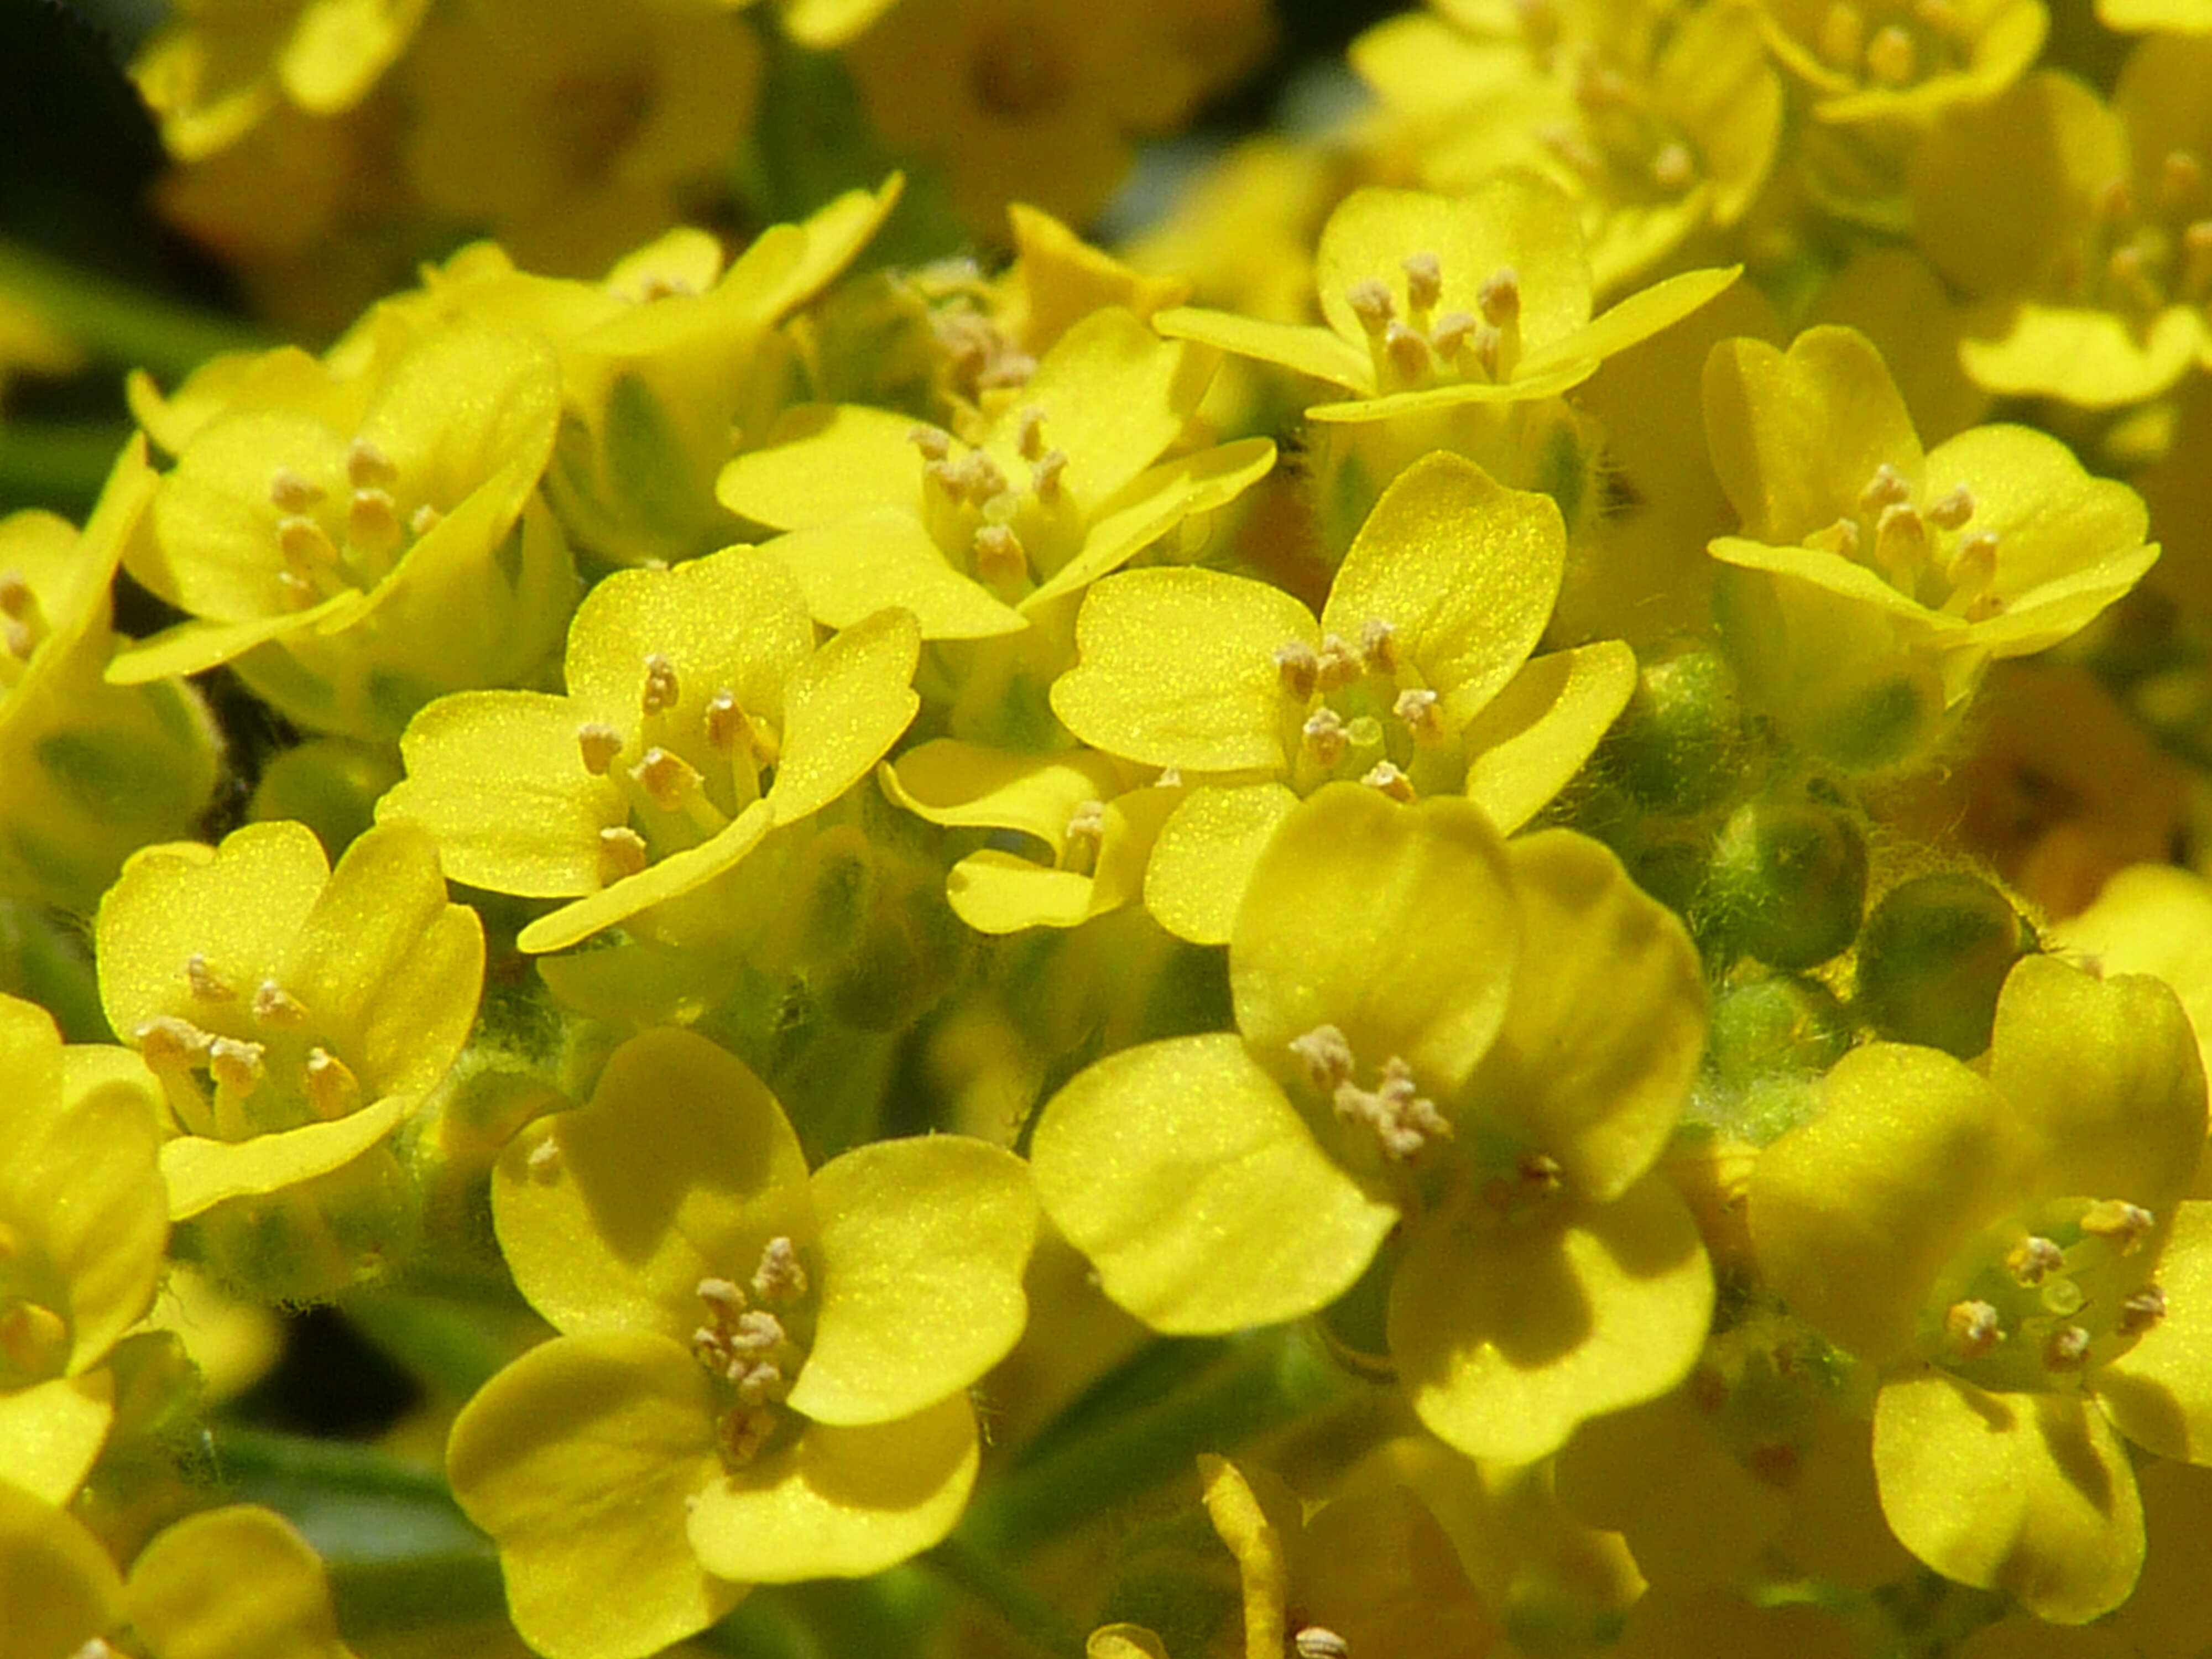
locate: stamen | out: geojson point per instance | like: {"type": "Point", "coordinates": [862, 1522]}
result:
{"type": "Point", "coordinates": [1422, 711]}
{"type": "Point", "coordinates": [332, 1090]}
{"type": "Point", "coordinates": [1378, 645]}
{"type": "Point", "coordinates": [2033, 1260]}
{"type": "Point", "coordinates": [1171, 777]}
{"type": "Point", "coordinates": [1892, 58]}
{"type": "Point", "coordinates": [1841, 538]}
{"type": "Point", "coordinates": [660, 690]}
{"type": "Point", "coordinates": [168, 1043]}
{"type": "Point", "coordinates": [668, 779]}
{"type": "Point", "coordinates": [206, 985]}
{"type": "Point", "coordinates": [1317, 1641]}
{"type": "Point", "coordinates": [722, 1296]}
{"type": "Point", "coordinates": [1403, 1120]}
{"type": "Point", "coordinates": [290, 493]}
{"type": "Point", "coordinates": [1673, 168]}
{"type": "Point", "coordinates": [1408, 353]}
{"type": "Point", "coordinates": [1029, 433]}
{"type": "Point", "coordinates": [743, 1434]}
{"type": "Point", "coordinates": [1338, 664]}
{"type": "Point", "coordinates": [274, 1006]}
{"type": "Point", "coordinates": [238, 1066]}
{"type": "Point", "coordinates": [1086, 828]}
{"type": "Point", "coordinates": [368, 467]}
{"type": "Point", "coordinates": [1972, 1328]}
{"type": "Point", "coordinates": [1045, 476]}
{"type": "Point", "coordinates": [424, 520]}
{"type": "Point", "coordinates": [1951, 510]}
{"type": "Point", "coordinates": [544, 1160]}
{"type": "Point", "coordinates": [1500, 297]}
{"type": "Point", "coordinates": [307, 546]}
{"type": "Point", "coordinates": [16, 599]}
{"type": "Point", "coordinates": [1900, 543]}
{"type": "Point", "coordinates": [779, 1278]}
{"type": "Point", "coordinates": [372, 522]}
{"type": "Point", "coordinates": [1000, 559]}
{"type": "Point", "coordinates": [1451, 332]}
{"type": "Point", "coordinates": [2119, 1223]}
{"type": "Point", "coordinates": [2141, 1310]}
{"type": "Point", "coordinates": [599, 743]}
{"type": "Point", "coordinates": [1888, 488]}
{"type": "Point", "coordinates": [1385, 779]}
{"type": "Point", "coordinates": [34, 1340]}
{"type": "Point", "coordinates": [2068, 1350]}
{"type": "Point", "coordinates": [1424, 281]}
{"type": "Point", "coordinates": [1371, 304]}
{"type": "Point", "coordinates": [934, 442]}
{"type": "Point", "coordinates": [1327, 1056]}
{"type": "Point", "coordinates": [623, 851]}
{"type": "Point", "coordinates": [2179, 176]}
{"type": "Point", "coordinates": [1325, 736]}
{"type": "Point", "coordinates": [1298, 669]}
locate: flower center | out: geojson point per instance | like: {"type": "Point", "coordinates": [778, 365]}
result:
{"type": "Point", "coordinates": [2034, 1303]}
{"type": "Point", "coordinates": [1360, 711]}
{"type": "Point", "coordinates": [325, 552]}
{"type": "Point", "coordinates": [2145, 248]}
{"type": "Point", "coordinates": [244, 1063]}
{"type": "Point", "coordinates": [1401, 1120]}
{"type": "Point", "coordinates": [1009, 535]}
{"type": "Point", "coordinates": [1930, 551]}
{"type": "Point", "coordinates": [1431, 347]}
{"type": "Point", "coordinates": [748, 1346]}
{"type": "Point", "coordinates": [1894, 44]}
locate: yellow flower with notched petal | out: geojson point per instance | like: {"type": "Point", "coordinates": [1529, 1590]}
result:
{"type": "Point", "coordinates": [1417, 680]}
{"type": "Point", "coordinates": [1435, 301]}
{"type": "Point", "coordinates": [1899, 60]}
{"type": "Point", "coordinates": [762, 1375]}
{"type": "Point", "coordinates": [700, 715]}
{"type": "Point", "coordinates": [2015, 1252]}
{"type": "Point", "coordinates": [294, 1015]}
{"type": "Point", "coordinates": [1873, 582]}
{"type": "Point", "coordinates": [1422, 1047]}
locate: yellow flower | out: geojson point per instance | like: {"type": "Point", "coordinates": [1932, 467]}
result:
{"type": "Point", "coordinates": [93, 771]}
{"type": "Point", "coordinates": [978, 536]}
{"type": "Point", "coordinates": [1873, 583]}
{"type": "Point", "coordinates": [1417, 680]}
{"type": "Point", "coordinates": [762, 1375]}
{"type": "Point", "coordinates": [2014, 1253]}
{"type": "Point", "coordinates": [1660, 120]}
{"type": "Point", "coordinates": [1422, 1047]}
{"type": "Point", "coordinates": [1026, 100]}
{"type": "Point", "coordinates": [83, 1222]}
{"type": "Point", "coordinates": [340, 535]}
{"type": "Point", "coordinates": [1896, 61]}
{"type": "Point", "coordinates": [1433, 301]}
{"type": "Point", "coordinates": [218, 68]}
{"type": "Point", "coordinates": [699, 716]}
{"type": "Point", "coordinates": [295, 1016]}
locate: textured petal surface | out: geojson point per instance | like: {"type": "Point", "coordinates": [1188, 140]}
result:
{"type": "Point", "coordinates": [1202, 863]}
{"type": "Point", "coordinates": [55, 1581]}
{"type": "Point", "coordinates": [1529, 743]}
{"type": "Point", "coordinates": [843, 708]}
{"type": "Point", "coordinates": [183, 1593]}
{"type": "Point", "coordinates": [2160, 1391]}
{"type": "Point", "coordinates": [202, 1173]}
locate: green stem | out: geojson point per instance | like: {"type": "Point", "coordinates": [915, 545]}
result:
{"type": "Point", "coordinates": [118, 322]}
{"type": "Point", "coordinates": [988, 1580]}
{"type": "Point", "coordinates": [56, 466]}
{"type": "Point", "coordinates": [1261, 1382]}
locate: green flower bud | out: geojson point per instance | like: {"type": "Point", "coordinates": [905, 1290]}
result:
{"type": "Point", "coordinates": [1783, 1025]}
{"type": "Point", "coordinates": [1934, 956]}
{"type": "Point", "coordinates": [1788, 883]}
{"type": "Point", "coordinates": [1679, 744]}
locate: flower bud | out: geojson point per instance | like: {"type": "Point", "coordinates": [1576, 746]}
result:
{"type": "Point", "coordinates": [1933, 958]}
{"type": "Point", "coordinates": [1677, 747]}
{"type": "Point", "coordinates": [1788, 883]}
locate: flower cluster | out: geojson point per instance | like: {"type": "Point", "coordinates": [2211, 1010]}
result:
{"type": "Point", "coordinates": [1443, 897]}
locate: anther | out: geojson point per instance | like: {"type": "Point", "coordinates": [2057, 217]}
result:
{"type": "Point", "coordinates": [1387, 780]}
{"type": "Point", "coordinates": [1451, 331]}
{"type": "Point", "coordinates": [306, 545]}
{"type": "Point", "coordinates": [1171, 777]}
{"type": "Point", "coordinates": [1045, 476]}
{"type": "Point", "coordinates": [168, 1043]}
{"type": "Point", "coordinates": [599, 743]}
{"type": "Point", "coordinates": [1298, 668]}
{"type": "Point", "coordinates": [1029, 433]}
{"type": "Point", "coordinates": [1424, 281]}
{"type": "Point", "coordinates": [779, 1278]}
{"type": "Point", "coordinates": [667, 779]}
{"type": "Point", "coordinates": [757, 1332]}
{"type": "Point", "coordinates": [1408, 353]}
{"type": "Point", "coordinates": [1888, 488]}
{"type": "Point", "coordinates": [2179, 176]}
{"type": "Point", "coordinates": [1378, 645]}
{"type": "Point", "coordinates": [762, 1384]}
{"type": "Point", "coordinates": [16, 599]}
{"type": "Point", "coordinates": [623, 851]}
{"type": "Point", "coordinates": [2196, 257]}
{"type": "Point", "coordinates": [2119, 1223]}
{"type": "Point", "coordinates": [1325, 736]}
{"type": "Point", "coordinates": [1900, 541]}
{"type": "Point", "coordinates": [1972, 1328]}
{"type": "Point", "coordinates": [1370, 303]}
{"type": "Point", "coordinates": [424, 520]}
{"type": "Point", "coordinates": [20, 641]}
{"type": "Point", "coordinates": [274, 1006]}
{"type": "Point", "coordinates": [238, 1066]}
{"type": "Point", "coordinates": [332, 1090]}
{"type": "Point", "coordinates": [1499, 298]}
{"type": "Point", "coordinates": [2141, 1310]}
{"type": "Point", "coordinates": [743, 1434]}
{"type": "Point", "coordinates": [1841, 538]}
{"type": "Point", "coordinates": [1673, 167]}
{"type": "Point", "coordinates": [934, 442]}
{"type": "Point", "coordinates": [290, 493]}
{"type": "Point", "coordinates": [2033, 1260]}
{"type": "Point", "coordinates": [1540, 1175]}
{"type": "Point", "coordinates": [1974, 562]}
{"type": "Point", "coordinates": [1327, 1056]}
{"type": "Point", "coordinates": [1338, 663]}
{"type": "Point", "coordinates": [1422, 712]}
{"type": "Point", "coordinates": [1086, 826]}
{"type": "Point", "coordinates": [372, 522]}
{"type": "Point", "coordinates": [1951, 510]}
{"type": "Point", "coordinates": [545, 1157]}
{"type": "Point", "coordinates": [1000, 559]}
{"type": "Point", "coordinates": [2068, 1350]}
{"type": "Point", "coordinates": [206, 985]}
{"type": "Point", "coordinates": [1892, 58]}
{"type": "Point", "coordinates": [1318, 1642]}
{"type": "Point", "coordinates": [721, 1295]}
{"type": "Point", "coordinates": [368, 467]}
{"type": "Point", "coordinates": [660, 690]}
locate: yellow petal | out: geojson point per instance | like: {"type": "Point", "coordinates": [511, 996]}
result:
{"type": "Point", "coordinates": [2026, 1493]}
{"type": "Point", "coordinates": [202, 1173]}
{"type": "Point", "coordinates": [843, 1502]}
{"type": "Point", "coordinates": [54, 1429]}
{"type": "Point", "coordinates": [822, 464]}
{"type": "Point", "coordinates": [1315, 352]}
{"type": "Point", "coordinates": [604, 1230]}
{"type": "Point", "coordinates": [1376, 1569]}
{"type": "Point", "coordinates": [2160, 1391]}
{"type": "Point", "coordinates": [578, 1459]}
{"type": "Point", "coordinates": [183, 1594]}
{"type": "Point", "coordinates": [1507, 1336]}
{"type": "Point", "coordinates": [919, 1265]}
{"type": "Point", "coordinates": [669, 877]}
{"type": "Point", "coordinates": [1113, 396]}
{"type": "Point", "coordinates": [1174, 1165]}
{"type": "Point", "coordinates": [1529, 742]}
{"type": "Point", "coordinates": [1637, 318]}
{"type": "Point", "coordinates": [1202, 862]}
{"type": "Point", "coordinates": [57, 1583]}
{"type": "Point", "coordinates": [972, 786]}
{"type": "Point", "coordinates": [1257, 1517]}
{"type": "Point", "coordinates": [734, 621]}
{"type": "Point", "coordinates": [2092, 358]}
{"type": "Point", "coordinates": [1153, 503]}
{"type": "Point", "coordinates": [842, 708]}
{"type": "Point", "coordinates": [854, 568]}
